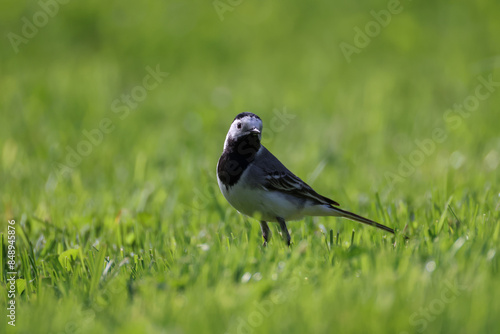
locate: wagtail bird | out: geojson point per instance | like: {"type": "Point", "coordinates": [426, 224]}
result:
{"type": "Point", "coordinates": [257, 184]}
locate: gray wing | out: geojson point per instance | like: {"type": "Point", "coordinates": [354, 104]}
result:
{"type": "Point", "coordinates": [276, 177]}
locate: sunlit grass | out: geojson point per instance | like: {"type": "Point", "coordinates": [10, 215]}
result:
{"type": "Point", "coordinates": [133, 234]}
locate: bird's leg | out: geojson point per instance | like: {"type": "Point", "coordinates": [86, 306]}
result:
{"type": "Point", "coordinates": [284, 230]}
{"type": "Point", "coordinates": [266, 232]}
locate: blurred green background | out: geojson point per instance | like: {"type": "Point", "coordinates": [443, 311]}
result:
{"type": "Point", "coordinates": [149, 183]}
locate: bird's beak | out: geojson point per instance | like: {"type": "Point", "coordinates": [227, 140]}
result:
{"type": "Point", "coordinates": [255, 131]}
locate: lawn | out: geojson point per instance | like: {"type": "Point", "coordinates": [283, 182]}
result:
{"type": "Point", "coordinates": [114, 116]}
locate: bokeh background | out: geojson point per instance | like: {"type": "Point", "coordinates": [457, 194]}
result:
{"type": "Point", "coordinates": [150, 181]}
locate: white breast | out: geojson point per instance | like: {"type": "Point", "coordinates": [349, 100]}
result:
{"type": "Point", "coordinates": [255, 201]}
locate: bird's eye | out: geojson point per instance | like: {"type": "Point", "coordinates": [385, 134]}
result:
{"type": "Point", "coordinates": [239, 125]}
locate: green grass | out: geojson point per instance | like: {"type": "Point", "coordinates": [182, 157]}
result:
{"type": "Point", "coordinates": [135, 236]}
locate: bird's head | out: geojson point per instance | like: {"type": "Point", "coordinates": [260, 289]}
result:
{"type": "Point", "coordinates": [245, 124]}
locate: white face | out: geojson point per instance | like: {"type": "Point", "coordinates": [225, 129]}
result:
{"type": "Point", "coordinates": [245, 126]}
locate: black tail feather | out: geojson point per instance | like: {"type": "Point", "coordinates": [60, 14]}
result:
{"type": "Point", "coordinates": [355, 217]}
